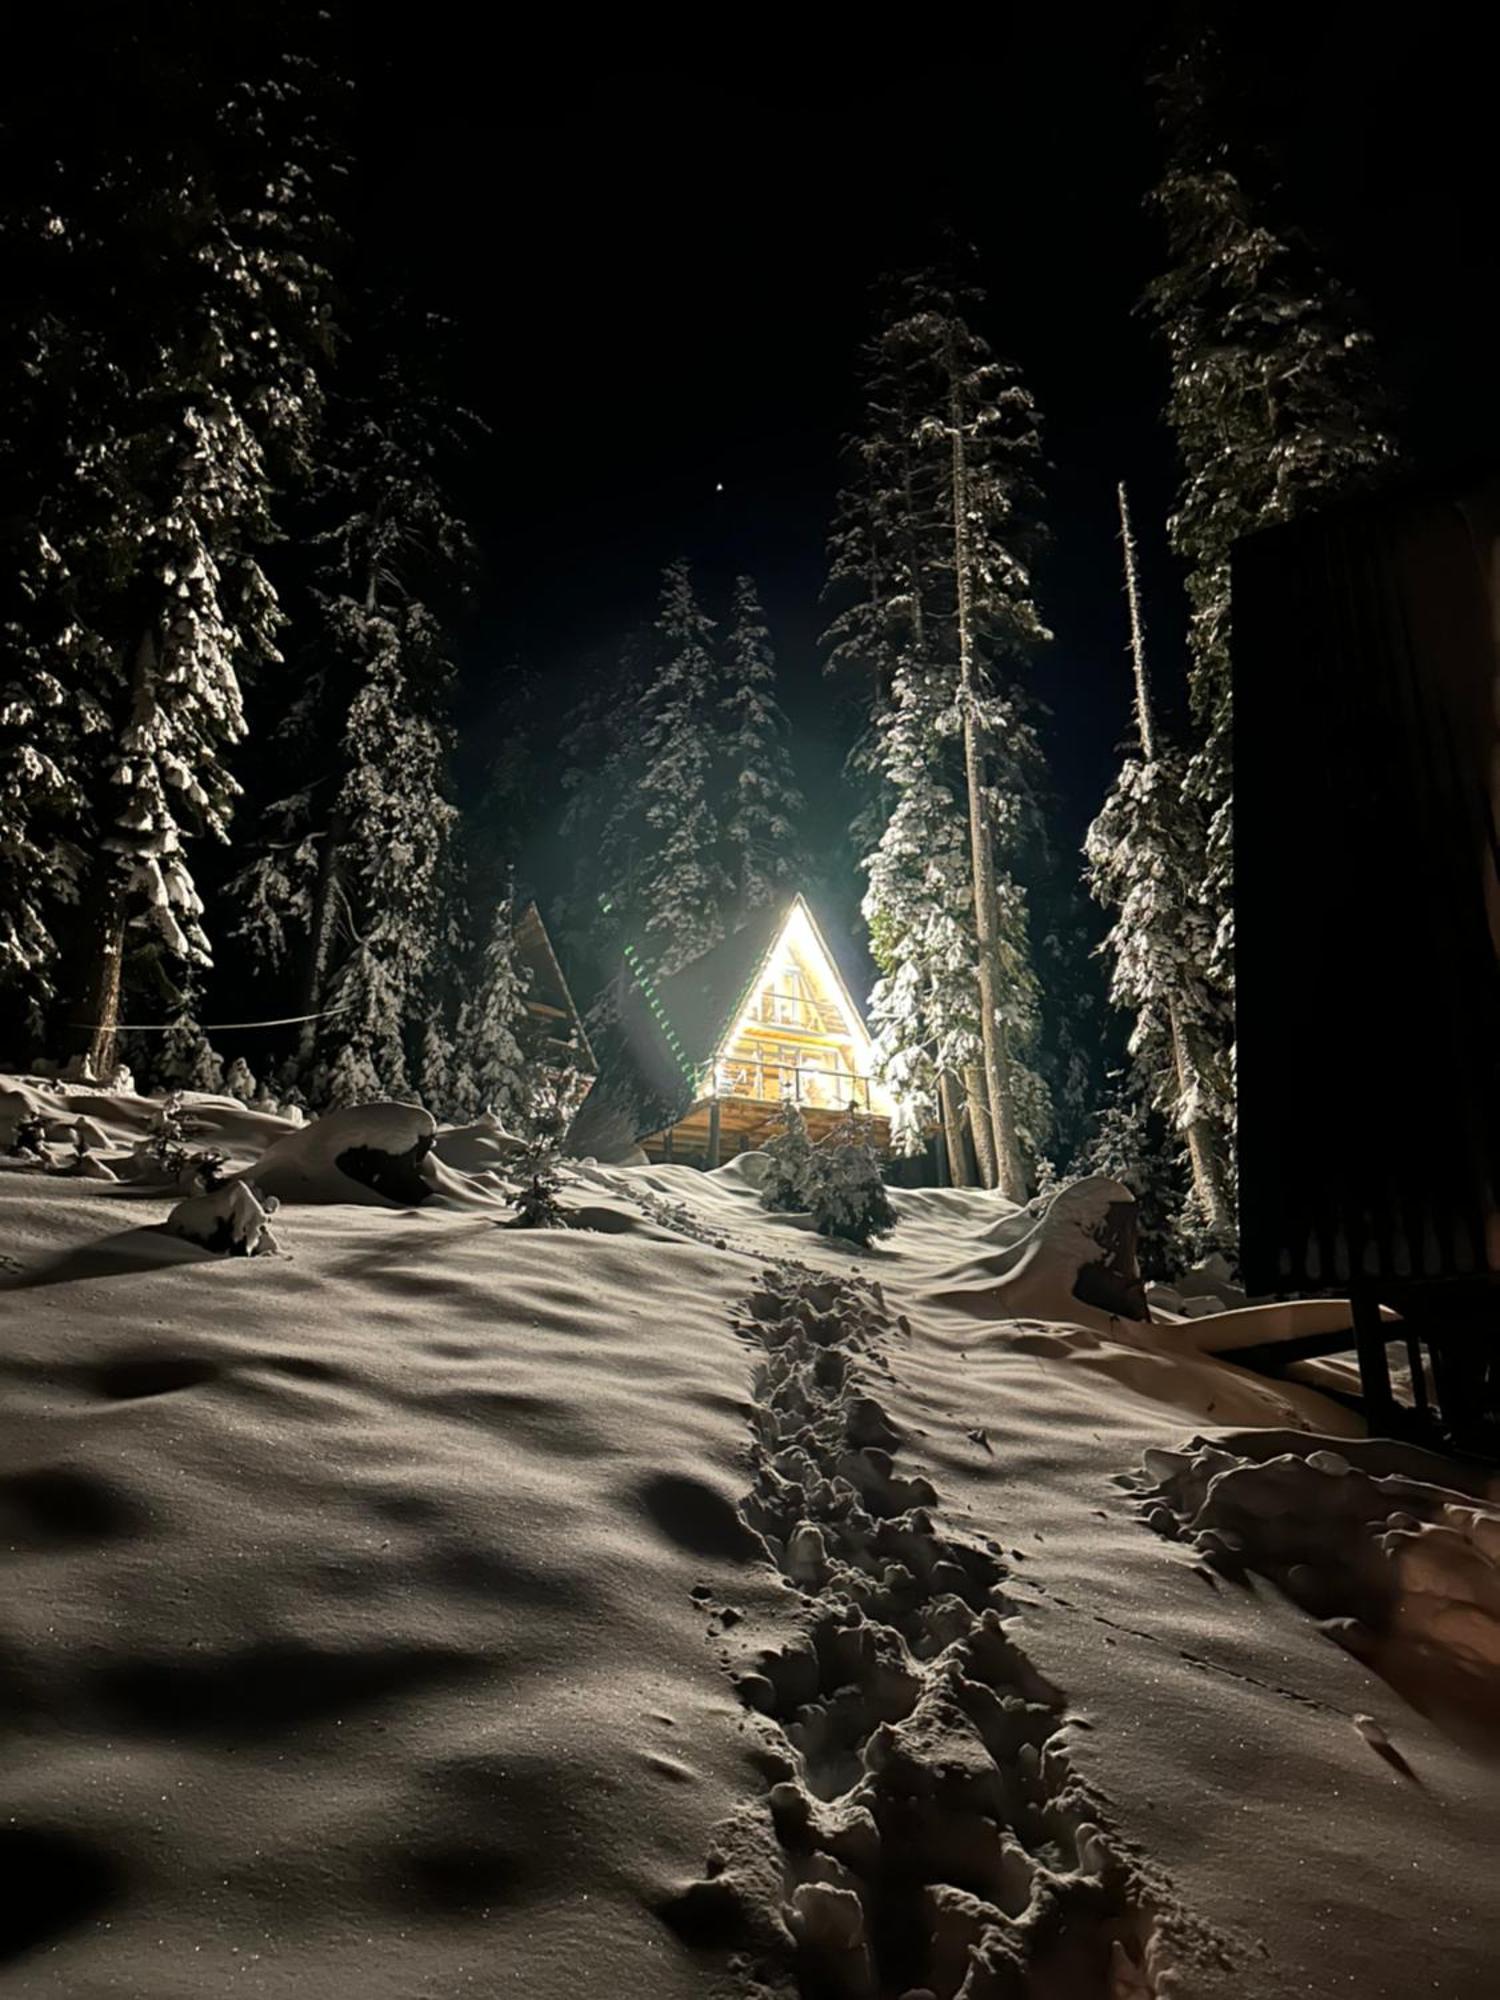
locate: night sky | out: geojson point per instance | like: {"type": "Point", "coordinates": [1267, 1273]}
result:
{"type": "Point", "coordinates": [661, 276]}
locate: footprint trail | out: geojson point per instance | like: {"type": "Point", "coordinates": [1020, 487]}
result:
{"type": "Point", "coordinates": [924, 1833]}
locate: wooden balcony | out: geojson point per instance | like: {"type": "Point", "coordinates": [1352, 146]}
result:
{"type": "Point", "coordinates": [740, 1110]}
{"type": "Point", "coordinates": [811, 1086]}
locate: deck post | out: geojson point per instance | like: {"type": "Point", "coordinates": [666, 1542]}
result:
{"type": "Point", "coordinates": [713, 1133]}
{"type": "Point", "coordinates": [666, 1147]}
{"type": "Point", "coordinates": [1374, 1369]}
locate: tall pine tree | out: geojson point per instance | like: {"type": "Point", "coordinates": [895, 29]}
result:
{"type": "Point", "coordinates": [1275, 403]}
{"type": "Point", "coordinates": [682, 887]}
{"type": "Point", "coordinates": [760, 804]}
{"type": "Point", "coordinates": [931, 554]}
{"type": "Point", "coordinates": [656, 747]}
{"type": "Point", "coordinates": [1146, 863]}
{"type": "Point", "coordinates": [167, 308]}
{"type": "Point", "coordinates": [354, 876]}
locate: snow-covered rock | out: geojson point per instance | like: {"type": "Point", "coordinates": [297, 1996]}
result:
{"type": "Point", "coordinates": [374, 1154]}
{"type": "Point", "coordinates": [230, 1220]}
{"type": "Point", "coordinates": [379, 1155]}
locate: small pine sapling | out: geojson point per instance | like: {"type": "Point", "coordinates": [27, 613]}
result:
{"type": "Point", "coordinates": [188, 1061]}
{"type": "Point", "coordinates": [206, 1168]}
{"type": "Point", "coordinates": [163, 1149]}
{"type": "Point", "coordinates": [837, 1181]}
{"type": "Point", "coordinates": [555, 1096]}
{"type": "Point", "coordinates": [791, 1175]}
{"type": "Point", "coordinates": [849, 1196]}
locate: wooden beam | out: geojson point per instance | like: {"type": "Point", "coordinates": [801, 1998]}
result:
{"type": "Point", "coordinates": [1269, 1357]}
{"type": "Point", "coordinates": [1371, 1335]}
{"type": "Point", "coordinates": [713, 1135]}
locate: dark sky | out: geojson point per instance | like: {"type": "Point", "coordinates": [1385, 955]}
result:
{"type": "Point", "coordinates": [660, 275]}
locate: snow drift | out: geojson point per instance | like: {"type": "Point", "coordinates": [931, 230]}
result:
{"type": "Point", "coordinates": [687, 1603]}
{"type": "Point", "coordinates": [1396, 1551]}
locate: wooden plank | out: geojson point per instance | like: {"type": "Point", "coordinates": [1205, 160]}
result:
{"type": "Point", "coordinates": [1269, 1357]}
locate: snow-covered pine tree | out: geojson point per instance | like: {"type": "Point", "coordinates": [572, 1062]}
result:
{"type": "Point", "coordinates": [1133, 1144]}
{"type": "Point", "coordinates": [43, 752]}
{"type": "Point", "coordinates": [924, 1010]}
{"type": "Point", "coordinates": [435, 1069]}
{"type": "Point", "coordinates": [872, 564]}
{"type": "Point", "coordinates": [931, 552]}
{"type": "Point", "coordinates": [495, 1071]}
{"type": "Point", "coordinates": [681, 890]}
{"type": "Point", "coordinates": [1275, 401]}
{"type": "Point", "coordinates": [167, 303]}
{"type": "Point", "coordinates": [603, 821]}
{"type": "Point", "coordinates": [760, 801]}
{"type": "Point", "coordinates": [1146, 863]}
{"type": "Point", "coordinates": [187, 1061]}
{"type": "Point", "coordinates": [790, 1163]}
{"type": "Point", "coordinates": [353, 879]}
{"type": "Point", "coordinates": [239, 1080]}
{"type": "Point", "coordinates": [850, 1199]}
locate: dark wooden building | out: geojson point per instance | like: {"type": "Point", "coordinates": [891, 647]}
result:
{"type": "Point", "coordinates": [1367, 907]}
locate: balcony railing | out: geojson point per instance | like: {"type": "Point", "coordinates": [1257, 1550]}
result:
{"type": "Point", "coordinates": [776, 1009]}
{"type": "Point", "coordinates": [769, 1082]}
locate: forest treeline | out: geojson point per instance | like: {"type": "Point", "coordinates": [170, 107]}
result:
{"type": "Point", "coordinates": [235, 569]}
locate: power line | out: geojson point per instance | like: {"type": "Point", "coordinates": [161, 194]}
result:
{"type": "Point", "coordinates": [212, 1027]}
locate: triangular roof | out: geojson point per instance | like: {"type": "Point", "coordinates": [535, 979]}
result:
{"type": "Point", "coordinates": [547, 981]}
{"type": "Point", "coordinates": [658, 1052]}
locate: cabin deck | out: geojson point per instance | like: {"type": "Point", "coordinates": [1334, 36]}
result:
{"type": "Point", "coordinates": [716, 1129]}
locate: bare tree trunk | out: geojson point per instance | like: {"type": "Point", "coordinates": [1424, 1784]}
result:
{"type": "Point", "coordinates": [953, 1130]}
{"type": "Point", "coordinates": [95, 1028]}
{"type": "Point", "coordinates": [1205, 1157]}
{"type": "Point", "coordinates": [1010, 1171]}
{"type": "Point", "coordinates": [1145, 722]}
{"type": "Point", "coordinates": [979, 1123]}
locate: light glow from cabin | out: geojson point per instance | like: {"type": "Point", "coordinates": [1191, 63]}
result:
{"type": "Point", "coordinates": [799, 1035]}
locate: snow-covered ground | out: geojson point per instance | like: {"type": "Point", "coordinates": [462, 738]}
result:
{"type": "Point", "coordinates": [685, 1604]}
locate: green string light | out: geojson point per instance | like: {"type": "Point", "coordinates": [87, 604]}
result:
{"type": "Point", "coordinates": [647, 986]}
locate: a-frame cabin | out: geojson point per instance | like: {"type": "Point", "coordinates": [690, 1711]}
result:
{"type": "Point", "coordinates": [699, 1063]}
{"type": "Point", "coordinates": [558, 1026]}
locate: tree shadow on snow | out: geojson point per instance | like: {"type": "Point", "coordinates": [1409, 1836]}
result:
{"type": "Point", "coordinates": [128, 1253]}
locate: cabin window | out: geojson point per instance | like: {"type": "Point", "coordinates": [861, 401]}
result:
{"type": "Point", "coordinates": [787, 1002]}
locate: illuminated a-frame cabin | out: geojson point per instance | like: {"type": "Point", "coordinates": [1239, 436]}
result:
{"type": "Point", "coordinates": [700, 1062]}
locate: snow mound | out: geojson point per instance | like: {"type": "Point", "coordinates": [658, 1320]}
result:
{"type": "Point", "coordinates": [379, 1155]}
{"type": "Point", "coordinates": [1076, 1249]}
{"type": "Point", "coordinates": [1395, 1549]}
{"type": "Point", "coordinates": [478, 1147]}
{"type": "Point", "coordinates": [121, 1118]}
{"type": "Point", "coordinates": [230, 1221]}
{"type": "Point", "coordinates": [744, 1170]}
